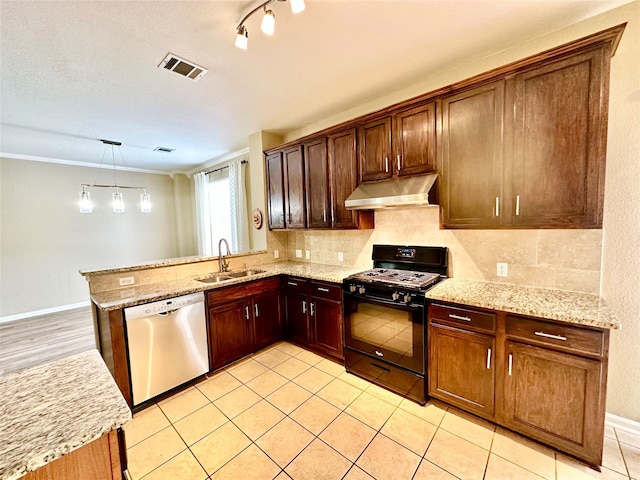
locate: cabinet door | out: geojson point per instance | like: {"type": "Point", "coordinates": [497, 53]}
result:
{"type": "Point", "coordinates": [343, 167]}
{"type": "Point", "coordinates": [297, 308]}
{"type": "Point", "coordinates": [560, 134]}
{"type": "Point", "coordinates": [326, 318]}
{"type": "Point", "coordinates": [461, 368]}
{"type": "Point", "coordinates": [374, 146]}
{"type": "Point", "coordinates": [414, 140]}
{"type": "Point", "coordinates": [230, 332]}
{"type": "Point", "coordinates": [471, 157]}
{"type": "Point", "coordinates": [294, 188]}
{"type": "Point", "coordinates": [267, 324]}
{"type": "Point", "coordinates": [275, 190]}
{"type": "Point", "coordinates": [555, 398]}
{"type": "Point", "coordinates": [317, 184]}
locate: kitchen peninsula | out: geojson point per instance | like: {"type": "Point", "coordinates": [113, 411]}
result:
{"type": "Point", "coordinates": [60, 420]}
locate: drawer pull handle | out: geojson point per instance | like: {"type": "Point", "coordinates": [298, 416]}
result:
{"type": "Point", "coordinates": [386, 164]}
{"type": "Point", "coordinates": [399, 165]}
{"type": "Point", "coordinates": [321, 289]}
{"type": "Point", "coordinates": [380, 354]}
{"type": "Point", "coordinates": [246, 312]}
{"type": "Point", "coordinates": [255, 306]}
{"type": "Point", "coordinates": [312, 309]}
{"type": "Point", "coordinates": [488, 359]}
{"type": "Point", "coordinates": [497, 207]}
{"type": "Point", "coordinates": [459, 317]}
{"type": "Point", "coordinates": [304, 306]}
{"type": "Point", "coordinates": [517, 205]}
{"type": "Point", "coordinates": [510, 363]}
{"type": "Point", "coordinates": [293, 284]}
{"type": "Point", "coordinates": [549, 335]}
{"type": "Point", "coordinates": [381, 368]}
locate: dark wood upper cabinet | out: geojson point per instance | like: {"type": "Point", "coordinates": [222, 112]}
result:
{"type": "Point", "coordinates": [374, 149]}
{"type": "Point", "coordinates": [294, 194]}
{"type": "Point", "coordinates": [471, 163]}
{"type": "Point", "coordinates": [275, 190]}
{"type": "Point", "coordinates": [317, 184]}
{"type": "Point", "coordinates": [559, 129]}
{"type": "Point", "coordinates": [414, 140]}
{"type": "Point", "coordinates": [343, 172]}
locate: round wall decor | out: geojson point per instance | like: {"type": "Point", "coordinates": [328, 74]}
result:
{"type": "Point", "coordinates": [257, 219]}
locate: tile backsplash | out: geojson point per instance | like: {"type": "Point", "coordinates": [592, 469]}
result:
{"type": "Point", "coordinates": [564, 259]}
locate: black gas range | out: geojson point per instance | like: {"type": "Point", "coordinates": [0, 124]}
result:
{"type": "Point", "coordinates": [384, 320]}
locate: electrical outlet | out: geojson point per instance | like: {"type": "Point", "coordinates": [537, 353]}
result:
{"type": "Point", "coordinates": [307, 254]}
{"type": "Point", "coordinates": [340, 257]}
{"type": "Point", "coordinates": [124, 281]}
{"type": "Point", "coordinates": [298, 253]}
{"type": "Point", "coordinates": [502, 269]}
{"type": "Point", "coordinates": [276, 254]}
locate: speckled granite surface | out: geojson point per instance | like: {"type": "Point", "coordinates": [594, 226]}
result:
{"type": "Point", "coordinates": [136, 295]}
{"type": "Point", "coordinates": [571, 307]}
{"type": "Point", "coordinates": [55, 408]}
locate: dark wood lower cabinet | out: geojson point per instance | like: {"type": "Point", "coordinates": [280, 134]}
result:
{"type": "Point", "coordinates": [462, 364]}
{"type": "Point", "coordinates": [549, 382]}
{"type": "Point", "coordinates": [314, 314]}
{"type": "Point", "coordinates": [243, 319]}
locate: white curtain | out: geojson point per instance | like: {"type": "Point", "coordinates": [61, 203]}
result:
{"type": "Point", "coordinates": [239, 217]}
{"type": "Point", "coordinates": [203, 215]}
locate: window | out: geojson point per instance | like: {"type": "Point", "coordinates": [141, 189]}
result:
{"type": "Point", "coordinates": [219, 206]}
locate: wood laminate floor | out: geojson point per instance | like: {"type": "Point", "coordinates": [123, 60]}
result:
{"type": "Point", "coordinates": [36, 340]}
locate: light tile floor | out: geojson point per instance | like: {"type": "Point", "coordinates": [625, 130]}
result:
{"type": "Point", "coordinates": [286, 413]}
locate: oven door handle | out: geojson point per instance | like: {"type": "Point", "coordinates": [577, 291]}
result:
{"type": "Point", "coordinates": [384, 301]}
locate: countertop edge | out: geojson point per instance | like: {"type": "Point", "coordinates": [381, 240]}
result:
{"type": "Point", "coordinates": [566, 306]}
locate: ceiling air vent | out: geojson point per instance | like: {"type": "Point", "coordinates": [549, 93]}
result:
{"type": "Point", "coordinates": [183, 67]}
{"type": "Point", "coordinates": [163, 149]}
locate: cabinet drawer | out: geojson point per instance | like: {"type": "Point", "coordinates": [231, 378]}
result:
{"type": "Point", "coordinates": [326, 290]}
{"type": "Point", "coordinates": [564, 337]}
{"type": "Point", "coordinates": [295, 284]}
{"type": "Point", "coordinates": [238, 291]}
{"type": "Point", "coordinates": [462, 317]}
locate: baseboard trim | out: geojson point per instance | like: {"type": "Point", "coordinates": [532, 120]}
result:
{"type": "Point", "coordinates": [45, 311]}
{"type": "Point", "coordinates": [622, 423]}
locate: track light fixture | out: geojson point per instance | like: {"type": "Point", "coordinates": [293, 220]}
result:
{"type": "Point", "coordinates": [268, 24]}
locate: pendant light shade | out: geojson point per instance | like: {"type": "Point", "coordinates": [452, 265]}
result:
{"type": "Point", "coordinates": [268, 25]}
{"type": "Point", "coordinates": [117, 202]}
{"type": "Point", "coordinates": [297, 6]}
{"type": "Point", "coordinates": [85, 202]}
{"type": "Point", "coordinates": [145, 202]}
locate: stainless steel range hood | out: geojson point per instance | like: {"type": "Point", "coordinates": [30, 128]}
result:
{"type": "Point", "coordinates": [399, 192]}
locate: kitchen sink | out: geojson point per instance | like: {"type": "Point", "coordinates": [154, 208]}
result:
{"type": "Point", "coordinates": [224, 277]}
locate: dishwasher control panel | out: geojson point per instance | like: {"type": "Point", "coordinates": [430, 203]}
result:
{"type": "Point", "coordinates": [164, 306]}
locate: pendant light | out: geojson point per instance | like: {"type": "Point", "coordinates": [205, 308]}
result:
{"type": "Point", "coordinates": [268, 23]}
{"type": "Point", "coordinates": [117, 199]}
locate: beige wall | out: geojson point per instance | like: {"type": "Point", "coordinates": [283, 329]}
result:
{"type": "Point", "coordinates": [183, 198]}
{"type": "Point", "coordinates": [45, 240]}
{"type": "Point", "coordinates": [565, 259]}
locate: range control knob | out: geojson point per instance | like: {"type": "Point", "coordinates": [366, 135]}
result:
{"type": "Point", "coordinates": [407, 298]}
{"type": "Point", "coordinates": [395, 295]}
{"type": "Point", "coordinates": [352, 288]}
{"type": "Point", "coordinates": [361, 290]}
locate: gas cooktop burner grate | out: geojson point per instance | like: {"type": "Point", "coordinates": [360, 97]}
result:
{"type": "Point", "coordinates": [405, 278]}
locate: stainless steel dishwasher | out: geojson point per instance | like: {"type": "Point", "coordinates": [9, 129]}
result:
{"type": "Point", "coordinates": [167, 342]}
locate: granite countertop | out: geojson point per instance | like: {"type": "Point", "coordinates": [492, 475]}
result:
{"type": "Point", "coordinates": [55, 408]}
{"type": "Point", "coordinates": [572, 307]}
{"type": "Point", "coordinates": [139, 294]}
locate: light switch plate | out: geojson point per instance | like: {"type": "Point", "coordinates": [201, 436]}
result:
{"type": "Point", "coordinates": [502, 269]}
{"type": "Point", "coordinates": [307, 254]}
{"type": "Point", "coordinates": [298, 253]}
{"type": "Point", "coordinates": [340, 257]}
{"type": "Point", "coordinates": [124, 281]}
{"type": "Point", "coordinates": [276, 254]}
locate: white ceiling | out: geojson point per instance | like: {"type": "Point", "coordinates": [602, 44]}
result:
{"type": "Point", "coordinates": [73, 72]}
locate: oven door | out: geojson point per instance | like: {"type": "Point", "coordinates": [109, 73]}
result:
{"type": "Point", "coordinates": [389, 331]}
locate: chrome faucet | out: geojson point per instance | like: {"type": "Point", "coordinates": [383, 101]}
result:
{"type": "Point", "coordinates": [223, 264]}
